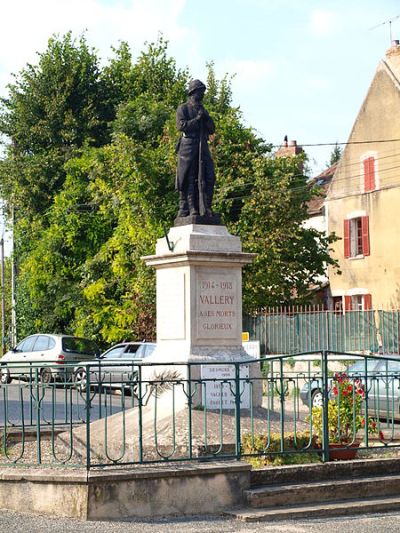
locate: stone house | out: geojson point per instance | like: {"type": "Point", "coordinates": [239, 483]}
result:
{"type": "Point", "coordinates": [363, 200]}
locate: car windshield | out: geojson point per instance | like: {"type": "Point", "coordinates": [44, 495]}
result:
{"type": "Point", "coordinates": [78, 345]}
{"type": "Point", "coordinates": [114, 353]}
{"type": "Point", "coordinates": [360, 366]}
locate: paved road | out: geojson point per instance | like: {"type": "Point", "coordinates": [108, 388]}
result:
{"type": "Point", "coordinates": [19, 399]}
{"type": "Point", "coordinates": [18, 523]}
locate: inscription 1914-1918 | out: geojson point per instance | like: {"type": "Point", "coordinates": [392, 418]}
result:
{"type": "Point", "coordinates": [216, 307]}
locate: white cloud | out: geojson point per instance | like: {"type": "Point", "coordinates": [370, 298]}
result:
{"type": "Point", "coordinates": [323, 22]}
{"type": "Point", "coordinates": [28, 24]}
{"type": "Point", "coordinates": [248, 73]}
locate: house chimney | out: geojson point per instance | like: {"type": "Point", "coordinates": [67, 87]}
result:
{"type": "Point", "coordinates": [288, 149]}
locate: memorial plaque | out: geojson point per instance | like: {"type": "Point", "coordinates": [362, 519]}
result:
{"type": "Point", "coordinates": [223, 386]}
{"type": "Point", "coordinates": [217, 306]}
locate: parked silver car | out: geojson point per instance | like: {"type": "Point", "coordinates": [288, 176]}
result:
{"type": "Point", "coordinates": [380, 377]}
{"type": "Point", "coordinates": [115, 368]}
{"type": "Point", "coordinates": [47, 356]}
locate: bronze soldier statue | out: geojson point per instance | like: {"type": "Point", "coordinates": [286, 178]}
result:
{"type": "Point", "coordinates": [195, 176]}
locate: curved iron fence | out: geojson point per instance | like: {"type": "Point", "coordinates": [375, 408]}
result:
{"type": "Point", "coordinates": [287, 408]}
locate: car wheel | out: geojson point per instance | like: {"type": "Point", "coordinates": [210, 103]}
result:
{"type": "Point", "coordinates": [133, 384]}
{"type": "Point", "coordinates": [46, 376]}
{"type": "Point", "coordinates": [316, 398]}
{"type": "Point", "coordinates": [80, 378]}
{"type": "Point", "coordinates": [5, 376]}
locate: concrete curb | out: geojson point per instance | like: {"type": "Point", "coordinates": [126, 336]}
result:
{"type": "Point", "coordinates": [139, 492]}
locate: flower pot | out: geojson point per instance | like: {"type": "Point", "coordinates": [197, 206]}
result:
{"type": "Point", "coordinates": [343, 452]}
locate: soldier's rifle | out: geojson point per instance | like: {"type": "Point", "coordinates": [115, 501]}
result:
{"type": "Point", "coordinates": [201, 184]}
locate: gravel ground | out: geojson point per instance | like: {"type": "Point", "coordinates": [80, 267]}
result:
{"type": "Point", "coordinates": [23, 523]}
{"type": "Point", "coordinates": [262, 420]}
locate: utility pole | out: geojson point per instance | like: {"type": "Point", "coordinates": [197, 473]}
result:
{"type": "Point", "coordinates": [13, 298]}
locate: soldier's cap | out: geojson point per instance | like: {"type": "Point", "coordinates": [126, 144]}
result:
{"type": "Point", "coordinates": [194, 85]}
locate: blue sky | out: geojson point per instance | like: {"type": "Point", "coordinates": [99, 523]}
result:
{"type": "Point", "coordinates": [302, 68]}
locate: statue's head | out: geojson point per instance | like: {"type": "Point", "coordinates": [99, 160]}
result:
{"type": "Point", "coordinates": [196, 89]}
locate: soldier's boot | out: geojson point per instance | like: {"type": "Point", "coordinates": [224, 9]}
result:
{"type": "Point", "coordinates": [192, 206]}
{"type": "Point", "coordinates": [183, 205]}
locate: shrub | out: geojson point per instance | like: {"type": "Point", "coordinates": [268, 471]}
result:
{"type": "Point", "coordinates": [268, 449]}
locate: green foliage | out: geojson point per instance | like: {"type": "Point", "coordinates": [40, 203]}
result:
{"type": "Point", "coordinates": [344, 411]}
{"type": "Point", "coordinates": [268, 448]}
{"type": "Point", "coordinates": [335, 155]}
{"type": "Point", "coordinates": [291, 362]}
{"type": "Point", "coordinates": [53, 109]}
{"type": "Point", "coordinates": [290, 257]}
{"type": "Point", "coordinates": [90, 168]}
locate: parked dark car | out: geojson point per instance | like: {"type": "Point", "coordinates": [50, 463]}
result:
{"type": "Point", "coordinates": [382, 383]}
{"type": "Point", "coordinates": [115, 368]}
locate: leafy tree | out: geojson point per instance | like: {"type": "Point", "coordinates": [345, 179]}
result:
{"type": "Point", "coordinates": [290, 257]}
{"type": "Point", "coordinates": [91, 170]}
{"type": "Point", "coordinates": [335, 155]}
{"type": "Point", "coordinates": [53, 109]}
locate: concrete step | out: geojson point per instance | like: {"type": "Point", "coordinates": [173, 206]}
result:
{"type": "Point", "coordinates": [324, 471]}
{"type": "Point", "coordinates": [338, 508]}
{"type": "Point", "coordinates": [322, 491]}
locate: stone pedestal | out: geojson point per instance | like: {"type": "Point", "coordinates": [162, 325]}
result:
{"type": "Point", "coordinates": [199, 296]}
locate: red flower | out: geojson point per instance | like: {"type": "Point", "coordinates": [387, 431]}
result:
{"type": "Point", "coordinates": [350, 388]}
{"type": "Point", "coordinates": [373, 426]}
{"type": "Point", "coordinates": [345, 392]}
{"type": "Point", "coordinates": [363, 422]}
{"type": "Point", "coordinates": [335, 391]}
{"type": "Point", "coordinates": [381, 437]}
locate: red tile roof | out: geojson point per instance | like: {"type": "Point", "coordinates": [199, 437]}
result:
{"type": "Point", "coordinates": [321, 182]}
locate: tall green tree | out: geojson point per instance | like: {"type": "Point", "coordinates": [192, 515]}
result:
{"type": "Point", "coordinates": [90, 167]}
{"type": "Point", "coordinates": [291, 257]}
{"type": "Point", "coordinates": [52, 110]}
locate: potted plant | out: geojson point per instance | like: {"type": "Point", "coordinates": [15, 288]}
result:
{"type": "Point", "coordinates": [345, 417]}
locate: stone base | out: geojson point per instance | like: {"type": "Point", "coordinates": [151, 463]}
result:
{"type": "Point", "coordinates": [214, 220]}
{"type": "Point", "coordinates": [139, 492]}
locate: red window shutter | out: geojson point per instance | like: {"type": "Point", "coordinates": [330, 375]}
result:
{"type": "Point", "coordinates": [347, 303]}
{"type": "Point", "coordinates": [367, 302]}
{"type": "Point", "coordinates": [365, 235]}
{"type": "Point", "coordinates": [369, 174]}
{"type": "Point", "coordinates": [347, 238]}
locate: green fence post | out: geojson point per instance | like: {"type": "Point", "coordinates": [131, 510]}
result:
{"type": "Point", "coordinates": [237, 404]}
{"type": "Point", "coordinates": [282, 398]}
{"type": "Point", "coordinates": [140, 417]}
{"type": "Point", "coordinates": [325, 418]}
{"type": "Point", "coordinates": [88, 402]}
{"type": "Point", "coordinates": [38, 414]}
{"type": "Point", "coordinates": [190, 403]}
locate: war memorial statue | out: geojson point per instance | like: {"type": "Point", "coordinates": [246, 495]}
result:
{"type": "Point", "coordinates": [195, 175]}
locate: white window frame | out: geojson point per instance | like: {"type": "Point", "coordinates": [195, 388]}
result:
{"type": "Point", "coordinates": [353, 216]}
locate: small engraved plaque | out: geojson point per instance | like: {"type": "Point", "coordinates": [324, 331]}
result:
{"type": "Point", "coordinates": [219, 386]}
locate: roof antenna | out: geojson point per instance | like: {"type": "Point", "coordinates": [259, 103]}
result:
{"type": "Point", "coordinates": [389, 21]}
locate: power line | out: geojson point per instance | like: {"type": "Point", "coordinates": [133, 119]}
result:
{"type": "Point", "coordinates": [302, 188]}
{"type": "Point", "coordinates": [338, 143]}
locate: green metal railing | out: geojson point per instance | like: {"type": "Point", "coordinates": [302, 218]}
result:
{"type": "Point", "coordinates": [312, 328]}
{"type": "Point", "coordinates": [279, 408]}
